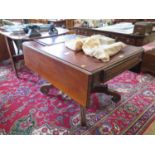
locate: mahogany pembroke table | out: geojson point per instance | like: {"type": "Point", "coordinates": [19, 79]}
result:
{"type": "Point", "coordinates": [75, 73]}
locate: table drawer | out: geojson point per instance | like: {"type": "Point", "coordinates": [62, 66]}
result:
{"type": "Point", "coordinates": [118, 68]}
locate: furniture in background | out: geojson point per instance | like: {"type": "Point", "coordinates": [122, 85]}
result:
{"type": "Point", "coordinates": [58, 23]}
{"type": "Point", "coordinates": [127, 20]}
{"type": "Point", "coordinates": [75, 73]}
{"type": "Point", "coordinates": [69, 23]}
{"type": "Point", "coordinates": [148, 63]}
{"type": "Point", "coordinates": [132, 20]}
{"type": "Point", "coordinates": [4, 54]}
{"type": "Point", "coordinates": [10, 38]}
{"type": "Point", "coordinates": [65, 23]}
{"type": "Point", "coordinates": [142, 28]}
{"type": "Point", "coordinates": [128, 38]}
{"type": "Point", "coordinates": [3, 49]}
{"type": "Point", "coordinates": [91, 23]}
{"type": "Point", "coordinates": [44, 21]}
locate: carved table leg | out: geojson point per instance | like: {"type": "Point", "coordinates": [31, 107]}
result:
{"type": "Point", "coordinates": [45, 88]}
{"type": "Point", "coordinates": [104, 89]}
{"type": "Point", "coordinates": [83, 116]}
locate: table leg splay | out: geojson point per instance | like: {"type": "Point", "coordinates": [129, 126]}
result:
{"type": "Point", "coordinates": [104, 89]}
{"type": "Point", "coordinates": [97, 89]}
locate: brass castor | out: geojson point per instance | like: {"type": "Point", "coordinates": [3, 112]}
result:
{"type": "Point", "coordinates": [45, 88]}
{"type": "Point", "coordinates": [116, 99]}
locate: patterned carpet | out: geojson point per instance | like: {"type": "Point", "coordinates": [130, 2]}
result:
{"type": "Point", "coordinates": [25, 110]}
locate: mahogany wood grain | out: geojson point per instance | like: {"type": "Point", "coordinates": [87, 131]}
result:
{"type": "Point", "coordinates": [64, 77]}
{"type": "Point", "coordinates": [76, 74]}
{"type": "Point", "coordinates": [74, 71]}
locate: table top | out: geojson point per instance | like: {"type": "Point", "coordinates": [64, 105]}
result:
{"type": "Point", "coordinates": [55, 40]}
{"type": "Point", "coordinates": [79, 60]}
{"type": "Point", "coordinates": [25, 37]}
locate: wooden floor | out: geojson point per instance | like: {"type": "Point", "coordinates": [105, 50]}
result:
{"type": "Point", "coordinates": [151, 129]}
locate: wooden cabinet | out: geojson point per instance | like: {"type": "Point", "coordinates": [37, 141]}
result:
{"type": "Point", "coordinates": [3, 49]}
{"type": "Point", "coordinates": [69, 23]}
{"type": "Point", "coordinates": [44, 21]}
